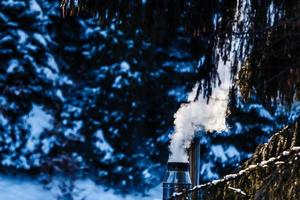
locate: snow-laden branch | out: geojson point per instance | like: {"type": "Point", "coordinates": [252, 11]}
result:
{"type": "Point", "coordinates": [264, 164]}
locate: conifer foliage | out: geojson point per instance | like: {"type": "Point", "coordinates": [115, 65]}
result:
{"type": "Point", "coordinates": [92, 92]}
{"type": "Point", "coordinates": [268, 31]}
{"type": "Point", "coordinates": [80, 99]}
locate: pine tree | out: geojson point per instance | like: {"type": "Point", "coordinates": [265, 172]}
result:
{"type": "Point", "coordinates": [29, 80]}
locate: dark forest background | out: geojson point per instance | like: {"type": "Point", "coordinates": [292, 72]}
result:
{"type": "Point", "coordinates": [90, 89]}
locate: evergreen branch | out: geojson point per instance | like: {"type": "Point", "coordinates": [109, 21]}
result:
{"type": "Point", "coordinates": [266, 163]}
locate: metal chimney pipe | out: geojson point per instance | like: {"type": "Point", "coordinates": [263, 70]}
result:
{"type": "Point", "coordinates": [195, 164]}
{"type": "Point", "coordinates": [177, 179]}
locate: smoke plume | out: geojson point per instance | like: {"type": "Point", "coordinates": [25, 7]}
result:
{"type": "Point", "coordinates": [209, 116]}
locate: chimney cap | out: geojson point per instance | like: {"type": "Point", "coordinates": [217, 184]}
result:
{"type": "Point", "coordinates": [178, 166]}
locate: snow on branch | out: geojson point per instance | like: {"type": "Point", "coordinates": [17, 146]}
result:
{"type": "Point", "coordinates": [264, 164]}
{"type": "Point", "coordinates": [237, 190]}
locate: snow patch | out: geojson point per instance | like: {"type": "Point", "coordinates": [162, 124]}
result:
{"type": "Point", "coordinates": [124, 67]}
{"type": "Point", "coordinates": [38, 120]}
{"type": "Point", "coordinates": [206, 170]}
{"type": "Point", "coordinates": [22, 36]}
{"type": "Point", "coordinates": [12, 188]}
{"type": "Point", "coordinates": [52, 63]}
{"type": "Point", "coordinates": [73, 133]}
{"type": "Point", "coordinates": [232, 152]}
{"type": "Point", "coordinates": [3, 120]}
{"type": "Point", "coordinates": [16, 188]}
{"type": "Point", "coordinates": [271, 14]}
{"type": "Point", "coordinates": [35, 7]}
{"type": "Point", "coordinates": [12, 65]}
{"type": "Point", "coordinates": [103, 145]}
{"type": "Point", "coordinates": [218, 151]}
{"type": "Point", "coordinates": [178, 93]}
{"type": "Point", "coordinates": [40, 38]}
{"type": "Point", "coordinates": [261, 111]}
{"type": "Point", "coordinates": [47, 144]}
{"type": "Point", "coordinates": [60, 95]}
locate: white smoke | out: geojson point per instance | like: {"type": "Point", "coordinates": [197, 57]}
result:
{"type": "Point", "coordinates": [211, 116]}
{"type": "Point", "coordinates": [199, 113]}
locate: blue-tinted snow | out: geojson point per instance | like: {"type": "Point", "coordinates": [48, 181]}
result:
{"type": "Point", "coordinates": [117, 115]}
{"type": "Point", "coordinates": [104, 34]}
{"type": "Point", "coordinates": [73, 132]}
{"type": "Point", "coordinates": [3, 17]}
{"type": "Point", "coordinates": [164, 138]}
{"type": "Point", "coordinates": [13, 64]}
{"type": "Point", "coordinates": [268, 129]}
{"type": "Point", "coordinates": [7, 161]}
{"type": "Point", "coordinates": [219, 152]}
{"type": "Point", "coordinates": [146, 174]}
{"type": "Point", "coordinates": [64, 80]}
{"type": "Point", "coordinates": [13, 4]}
{"type": "Point", "coordinates": [113, 131]}
{"type": "Point", "coordinates": [6, 39]}
{"type": "Point", "coordinates": [295, 111]}
{"type": "Point", "coordinates": [264, 113]}
{"type": "Point", "coordinates": [232, 152]}
{"type": "Point", "coordinates": [206, 170]}
{"type": "Point", "coordinates": [225, 153]}
{"type": "Point", "coordinates": [52, 63]}
{"type": "Point", "coordinates": [38, 120]}
{"type": "Point", "coordinates": [60, 95]}
{"type": "Point", "coordinates": [271, 14]}
{"type": "Point", "coordinates": [124, 67]}
{"type": "Point", "coordinates": [215, 18]}
{"type": "Point", "coordinates": [238, 128]}
{"type": "Point", "coordinates": [22, 36]}
{"type": "Point", "coordinates": [34, 6]}
{"type": "Point", "coordinates": [50, 74]}
{"type": "Point", "coordinates": [3, 120]}
{"type": "Point", "coordinates": [178, 54]}
{"type": "Point", "coordinates": [183, 67]}
{"type": "Point", "coordinates": [16, 188]}
{"type": "Point", "coordinates": [40, 39]}
{"type": "Point", "coordinates": [178, 93]}
{"type": "Point", "coordinates": [118, 83]}
{"type": "Point", "coordinates": [201, 62]}
{"type": "Point", "coordinates": [103, 145]}
{"type": "Point", "coordinates": [47, 144]}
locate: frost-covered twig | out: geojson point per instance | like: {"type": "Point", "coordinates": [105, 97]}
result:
{"type": "Point", "coordinates": [237, 190]}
